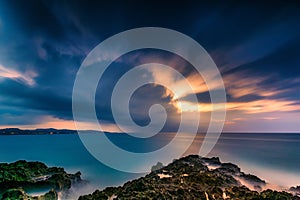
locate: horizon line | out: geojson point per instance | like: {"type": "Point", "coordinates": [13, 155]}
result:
{"type": "Point", "coordinates": [225, 132]}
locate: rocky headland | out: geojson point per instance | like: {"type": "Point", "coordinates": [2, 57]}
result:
{"type": "Point", "coordinates": [195, 177]}
{"type": "Point", "coordinates": [190, 177]}
{"type": "Point", "coordinates": [18, 178]}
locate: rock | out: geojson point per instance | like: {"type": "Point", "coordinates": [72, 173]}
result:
{"type": "Point", "coordinates": [295, 190]}
{"type": "Point", "coordinates": [229, 168]}
{"type": "Point", "coordinates": [20, 194]}
{"type": "Point", "coordinates": [212, 161]}
{"type": "Point", "coordinates": [270, 194]}
{"type": "Point", "coordinates": [20, 176]}
{"type": "Point", "coordinates": [51, 195]}
{"type": "Point", "coordinates": [14, 194]}
{"type": "Point", "coordinates": [253, 180]}
{"type": "Point", "coordinates": [189, 178]}
{"type": "Point", "coordinates": [158, 166]}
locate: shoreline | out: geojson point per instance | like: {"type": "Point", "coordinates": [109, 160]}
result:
{"type": "Point", "coordinates": [209, 165]}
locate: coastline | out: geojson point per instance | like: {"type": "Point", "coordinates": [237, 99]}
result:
{"type": "Point", "coordinates": [227, 176]}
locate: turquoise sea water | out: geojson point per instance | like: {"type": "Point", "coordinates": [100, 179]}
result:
{"type": "Point", "coordinates": [273, 157]}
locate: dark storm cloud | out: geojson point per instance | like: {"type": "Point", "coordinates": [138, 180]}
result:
{"type": "Point", "coordinates": [247, 40]}
{"type": "Point", "coordinates": [145, 96]}
{"type": "Point", "coordinates": [21, 97]}
{"type": "Point", "coordinates": [284, 61]}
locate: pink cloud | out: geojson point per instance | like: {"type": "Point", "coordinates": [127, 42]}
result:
{"type": "Point", "coordinates": [27, 77]}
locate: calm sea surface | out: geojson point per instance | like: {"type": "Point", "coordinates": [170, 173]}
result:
{"type": "Point", "coordinates": [273, 157]}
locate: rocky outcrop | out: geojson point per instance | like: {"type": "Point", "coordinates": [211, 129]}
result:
{"type": "Point", "coordinates": [14, 194]}
{"type": "Point", "coordinates": [191, 177]}
{"type": "Point", "coordinates": [295, 190]}
{"type": "Point", "coordinates": [21, 176]}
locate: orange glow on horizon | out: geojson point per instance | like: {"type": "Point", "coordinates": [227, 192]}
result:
{"type": "Point", "coordinates": [51, 122]}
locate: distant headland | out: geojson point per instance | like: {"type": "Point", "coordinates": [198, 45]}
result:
{"type": "Point", "coordinates": [48, 131]}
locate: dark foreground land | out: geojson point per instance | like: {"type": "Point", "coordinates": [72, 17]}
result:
{"type": "Point", "coordinates": [191, 177]}
{"type": "Point", "coordinates": [21, 176]}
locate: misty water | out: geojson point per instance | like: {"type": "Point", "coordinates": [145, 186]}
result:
{"type": "Point", "coordinates": [273, 157]}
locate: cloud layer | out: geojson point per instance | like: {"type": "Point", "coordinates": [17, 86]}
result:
{"type": "Point", "coordinates": [255, 47]}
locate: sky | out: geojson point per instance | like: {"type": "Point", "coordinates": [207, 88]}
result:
{"type": "Point", "coordinates": [254, 45]}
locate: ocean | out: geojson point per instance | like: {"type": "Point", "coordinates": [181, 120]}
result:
{"type": "Point", "coordinates": [274, 157]}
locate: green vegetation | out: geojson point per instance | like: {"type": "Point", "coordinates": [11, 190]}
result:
{"type": "Point", "coordinates": [21, 176]}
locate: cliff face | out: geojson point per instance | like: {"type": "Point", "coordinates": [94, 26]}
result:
{"type": "Point", "coordinates": [21, 176]}
{"type": "Point", "coordinates": [193, 177]}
